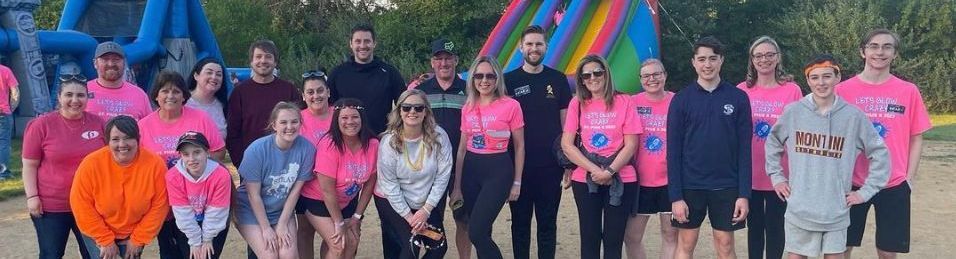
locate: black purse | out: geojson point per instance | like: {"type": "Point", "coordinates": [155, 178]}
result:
{"type": "Point", "coordinates": [563, 160]}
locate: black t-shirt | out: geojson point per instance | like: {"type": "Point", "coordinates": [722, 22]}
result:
{"type": "Point", "coordinates": [377, 84]}
{"type": "Point", "coordinates": [446, 106]}
{"type": "Point", "coordinates": [542, 97]}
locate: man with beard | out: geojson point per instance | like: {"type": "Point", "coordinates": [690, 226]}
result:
{"type": "Point", "coordinates": [446, 94]}
{"type": "Point", "coordinates": [544, 95]}
{"type": "Point", "coordinates": [377, 84]}
{"type": "Point", "coordinates": [367, 78]}
{"type": "Point", "coordinates": [252, 100]}
{"type": "Point", "coordinates": [109, 94]}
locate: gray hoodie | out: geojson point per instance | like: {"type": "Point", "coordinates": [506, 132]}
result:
{"type": "Point", "coordinates": [821, 151]}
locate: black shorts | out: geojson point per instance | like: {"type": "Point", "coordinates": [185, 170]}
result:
{"type": "Point", "coordinates": [719, 204]}
{"type": "Point", "coordinates": [892, 207]}
{"type": "Point", "coordinates": [318, 208]}
{"type": "Point", "coordinates": [653, 200]}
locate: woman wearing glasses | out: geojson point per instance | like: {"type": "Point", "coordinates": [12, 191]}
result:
{"type": "Point", "coordinates": [53, 146]}
{"type": "Point", "coordinates": [335, 203]}
{"type": "Point", "coordinates": [414, 166]}
{"type": "Point", "coordinates": [605, 182]}
{"type": "Point", "coordinates": [316, 118]}
{"type": "Point", "coordinates": [769, 90]}
{"type": "Point", "coordinates": [486, 175]}
{"type": "Point", "coordinates": [209, 93]}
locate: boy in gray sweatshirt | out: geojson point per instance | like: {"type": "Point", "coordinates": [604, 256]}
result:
{"type": "Point", "coordinates": [822, 137]}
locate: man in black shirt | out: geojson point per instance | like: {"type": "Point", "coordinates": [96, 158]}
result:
{"type": "Point", "coordinates": [446, 94]}
{"type": "Point", "coordinates": [544, 94]}
{"type": "Point", "coordinates": [367, 78]}
{"type": "Point", "coordinates": [377, 84]}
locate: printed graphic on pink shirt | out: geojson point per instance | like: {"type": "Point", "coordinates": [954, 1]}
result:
{"type": "Point", "coordinates": [897, 112]}
{"type": "Point", "coordinates": [198, 202]}
{"type": "Point", "coordinates": [314, 127]}
{"type": "Point", "coordinates": [651, 154]}
{"type": "Point", "coordinates": [107, 103]}
{"type": "Point", "coordinates": [603, 130]}
{"type": "Point", "coordinates": [351, 170]}
{"type": "Point", "coordinates": [161, 137]}
{"type": "Point", "coordinates": [766, 106]}
{"type": "Point", "coordinates": [488, 128]}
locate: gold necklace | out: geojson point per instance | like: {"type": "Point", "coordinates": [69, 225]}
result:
{"type": "Point", "coordinates": [420, 161]}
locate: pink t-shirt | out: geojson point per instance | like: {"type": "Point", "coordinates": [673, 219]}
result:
{"type": "Point", "coordinates": [350, 170]}
{"type": "Point", "coordinates": [129, 99]}
{"type": "Point", "coordinates": [897, 111]}
{"type": "Point", "coordinates": [161, 137]}
{"type": "Point", "coordinates": [498, 119]}
{"type": "Point", "coordinates": [314, 127]}
{"type": "Point", "coordinates": [766, 106]}
{"type": "Point", "coordinates": [60, 145]}
{"type": "Point", "coordinates": [7, 82]}
{"type": "Point", "coordinates": [651, 155]}
{"type": "Point", "coordinates": [603, 130]}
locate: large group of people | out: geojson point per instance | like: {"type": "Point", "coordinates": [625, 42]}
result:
{"type": "Point", "coordinates": [799, 171]}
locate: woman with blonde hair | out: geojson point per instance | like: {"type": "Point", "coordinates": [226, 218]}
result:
{"type": "Point", "coordinates": [489, 121]}
{"type": "Point", "coordinates": [414, 166]}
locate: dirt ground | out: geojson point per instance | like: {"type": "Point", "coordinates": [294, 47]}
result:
{"type": "Point", "coordinates": [933, 223]}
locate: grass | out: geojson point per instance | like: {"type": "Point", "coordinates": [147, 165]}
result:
{"type": "Point", "coordinates": [13, 187]}
{"type": "Point", "coordinates": [944, 127]}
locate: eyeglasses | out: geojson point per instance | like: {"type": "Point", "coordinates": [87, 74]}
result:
{"type": "Point", "coordinates": [595, 73]}
{"type": "Point", "coordinates": [655, 75]}
{"type": "Point", "coordinates": [885, 47]}
{"type": "Point", "coordinates": [416, 107]}
{"type": "Point", "coordinates": [349, 107]}
{"type": "Point", "coordinates": [767, 55]}
{"type": "Point", "coordinates": [489, 76]}
{"type": "Point", "coordinates": [72, 77]}
{"type": "Point", "coordinates": [314, 74]}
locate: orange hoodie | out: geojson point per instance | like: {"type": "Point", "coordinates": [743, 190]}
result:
{"type": "Point", "coordinates": [112, 202]}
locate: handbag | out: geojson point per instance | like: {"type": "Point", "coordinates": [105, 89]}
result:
{"type": "Point", "coordinates": [563, 160]}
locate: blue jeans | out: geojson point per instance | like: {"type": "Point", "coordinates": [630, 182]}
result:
{"type": "Point", "coordinates": [94, 250]}
{"type": "Point", "coordinates": [6, 132]}
{"type": "Point", "coordinates": [53, 230]}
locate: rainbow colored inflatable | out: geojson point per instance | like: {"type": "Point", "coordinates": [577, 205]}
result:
{"type": "Point", "coordinates": [624, 31]}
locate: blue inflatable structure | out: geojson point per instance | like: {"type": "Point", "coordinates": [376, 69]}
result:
{"type": "Point", "coordinates": [155, 34]}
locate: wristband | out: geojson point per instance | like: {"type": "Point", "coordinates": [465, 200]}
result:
{"type": "Point", "coordinates": [516, 183]}
{"type": "Point", "coordinates": [358, 216]}
{"type": "Point", "coordinates": [33, 196]}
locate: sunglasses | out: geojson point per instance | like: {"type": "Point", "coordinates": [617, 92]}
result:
{"type": "Point", "coordinates": [489, 76]}
{"type": "Point", "coordinates": [314, 74]}
{"type": "Point", "coordinates": [596, 73]}
{"type": "Point", "coordinates": [416, 107]}
{"type": "Point", "coordinates": [72, 77]}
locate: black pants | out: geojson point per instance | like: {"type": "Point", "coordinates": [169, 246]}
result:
{"type": "Point", "coordinates": [765, 225]}
{"type": "Point", "coordinates": [53, 230]}
{"type": "Point", "coordinates": [403, 230]}
{"type": "Point", "coordinates": [540, 196]}
{"type": "Point", "coordinates": [485, 186]}
{"type": "Point", "coordinates": [177, 244]}
{"type": "Point", "coordinates": [391, 240]}
{"type": "Point", "coordinates": [600, 222]}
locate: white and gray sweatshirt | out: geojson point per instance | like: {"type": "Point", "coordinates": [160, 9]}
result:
{"type": "Point", "coordinates": [405, 188]}
{"type": "Point", "coordinates": [821, 151]}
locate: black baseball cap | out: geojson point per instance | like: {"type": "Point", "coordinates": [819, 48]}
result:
{"type": "Point", "coordinates": [443, 45]}
{"type": "Point", "coordinates": [193, 138]}
{"type": "Point", "coordinates": [109, 47]}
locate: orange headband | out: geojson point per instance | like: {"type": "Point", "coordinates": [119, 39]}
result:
{"type": "Point", "coordinates": [825, 64]}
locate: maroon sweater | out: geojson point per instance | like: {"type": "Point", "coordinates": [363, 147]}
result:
{"type": "Point", "coordinates": [250, 105]}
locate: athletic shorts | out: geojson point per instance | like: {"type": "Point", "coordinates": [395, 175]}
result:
{"type": "Point", "coordinates": [719, 204]}
{"type": "Point", "coordinates": [813, 243]}
{"type": "Point", "coordinates": [892, 207]}
{"type": "Point", "coordinates": [318, 208]}
{"type": "Point", "coordinates": [653, 200]}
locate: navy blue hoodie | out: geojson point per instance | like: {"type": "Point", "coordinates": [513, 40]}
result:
{"type": "Point", "coordinates": [708, 140]}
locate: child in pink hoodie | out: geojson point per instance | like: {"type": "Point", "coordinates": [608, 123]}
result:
{"type": "Point", "coordinates": [199, 192]}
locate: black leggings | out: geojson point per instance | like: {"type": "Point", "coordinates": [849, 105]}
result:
{"type": "Point", "coordinates": [485, 185]}
{"type": "Point", "coordinates": [178, 244]}
{"type": "Point", "coordinates": [600, 222]}
{"type": "Point", "coordinates": [403, 230]}
{"type": "Point", "coordinates": [765, 225]}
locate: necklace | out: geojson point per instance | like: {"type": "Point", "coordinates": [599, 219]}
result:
{"type": "Point", "coordinates": [420, 161]}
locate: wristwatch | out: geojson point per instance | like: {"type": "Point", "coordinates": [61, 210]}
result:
{"type": "Point", "coordinates": [358, 216]}
{"type": "Point", "coordinates": [612, 171]}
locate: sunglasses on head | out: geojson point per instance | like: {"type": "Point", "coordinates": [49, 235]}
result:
{"type": "Point", "coordinates": [489, 76]}
{"type": "Point", "coordinates": [595, 73]}
{"type": "Point", "coordinates": [72, 77]}
{"type": "Point", "coordinates": [416, 107]}
{"type": "Point", "coordinates": [313, 74]}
